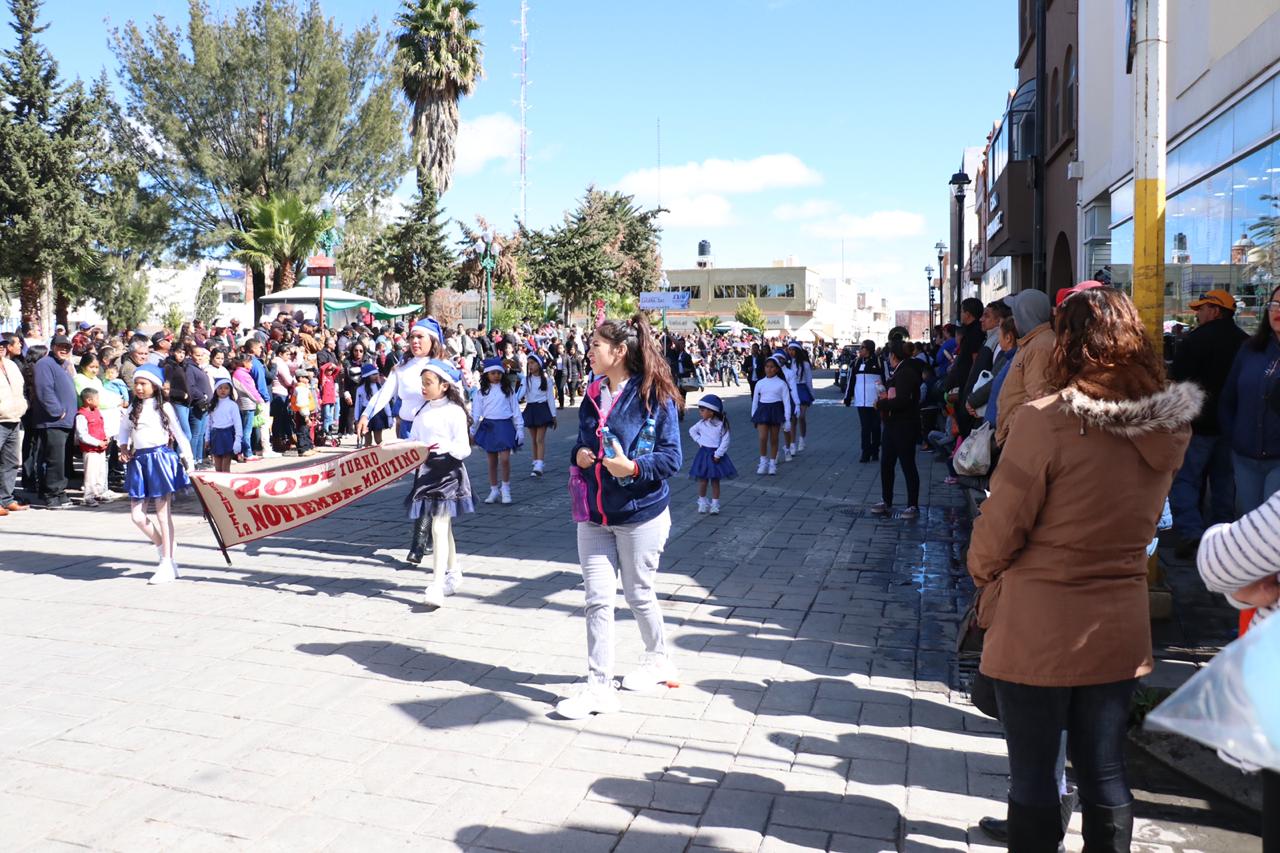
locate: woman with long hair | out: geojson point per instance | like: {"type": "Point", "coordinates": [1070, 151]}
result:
{"type": "Point", "coordinates": [1249, 411]}
{"type": "Point", "coordinates": [1059, 556]}
{"type": "Point", "coordinates": [628, 447]}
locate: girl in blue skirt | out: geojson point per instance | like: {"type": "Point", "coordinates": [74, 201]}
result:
{"type": "Point", "coordinates": [155, 470]}
{"type": "Point", "coordinates": [224, 426]}
{"type": "Point", "coordinates": [539, 410]}
{"type": "Point", "coordinates": [712, 464]}
{"type": "Point", "coordinates": [804, 393]}
{"type": "Point", "coordinates": [499, 426]}
{"type": "Point", "coordinates": [771, 412]}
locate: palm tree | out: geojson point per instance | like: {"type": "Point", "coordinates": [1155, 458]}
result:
{"type": "Point", "coordinates": [440, 61]}
{"type": "Point", "coordinates": [280, 231]}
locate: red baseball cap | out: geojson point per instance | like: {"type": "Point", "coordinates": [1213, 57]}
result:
{"type": "Point", "coordinates": [1079, 288]}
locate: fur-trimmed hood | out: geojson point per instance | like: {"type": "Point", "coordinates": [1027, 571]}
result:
{"type": "Point", "coordinates": [1151, 422]}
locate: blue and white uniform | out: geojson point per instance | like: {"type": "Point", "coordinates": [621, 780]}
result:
{"type": "Point", "coordinates": [225, 427]}
{"type": "Point", "coordinates": [713, 443]}
{"type": "Point", "coordinates": [804, 383]}
{"type": "Point", "coordinates": [771, 402]}
{"type": "Point", "coordinates": [404, 382]}
{"type": "Point", "coordinates": [499, 426]}
{"type": "Point", "coordinates": [441, 485]}
{"type": "Point", "coordinates": [540, 403]}
{"type": "Point", "coordinates": [155, 469]}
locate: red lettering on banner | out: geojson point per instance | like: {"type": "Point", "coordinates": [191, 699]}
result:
{"type": "Point", "coordinates": [308, 480]}
{"type": "Point", "coordinates": [245, 488]}
{"type": "Point", "coordinates": [279, 486]}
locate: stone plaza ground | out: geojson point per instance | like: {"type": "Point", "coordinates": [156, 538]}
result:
{"type": "Point", "coordinates": [302, 699]}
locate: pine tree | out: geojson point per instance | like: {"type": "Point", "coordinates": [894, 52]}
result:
{"type": "Point", "coordinates": [420, 256]}
{"type": "Point", "coordinates": [49, 139]}
{"type": "Point", "coordinates": [749, 314]}
{"type": "Point", "coordinates": [207, 297]}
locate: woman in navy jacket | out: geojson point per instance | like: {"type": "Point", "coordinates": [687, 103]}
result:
{"type": "Point", "coordinates": [1249, 410]}
{"type": "Point", "coordinates": [628, 500]}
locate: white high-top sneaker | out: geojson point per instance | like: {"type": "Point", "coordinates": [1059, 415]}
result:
{"type": "Point", "coordinates": [590, 698]}
{"type": "Point", "coordinates": [702, 506]}
{"type": "Point", "coordinates": [789, 453]}
{"type": "Point", "coordinates": [715, 507]}
{"type": "Point", "coordinates": [773, 467]}
{"type": "Point", "coordinates": [506, 493]}
{"type": "Point", "coordinates": [763, 467]}
{"type": "Point", "coordinates": [166, 572]}
{"type": "Point", "coordinates": [494, 494]}
{"type": "Point", "coordinates": [800, 445]}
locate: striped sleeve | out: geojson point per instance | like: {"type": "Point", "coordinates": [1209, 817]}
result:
{"type": "Point", "coordinates": [1232, 556]}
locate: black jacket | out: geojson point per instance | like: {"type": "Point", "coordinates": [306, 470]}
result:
{"type": "Point", "coordinates": [1205, 357]}
{"type": "Point", "coordinates": [905, 405]}
{"type": "Point", "coordinates": [175, 375]}
{"type": "Point", "coordinates": [971, 339]}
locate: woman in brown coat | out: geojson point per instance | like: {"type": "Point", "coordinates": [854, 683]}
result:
{"type": "Point", "coordinates": [1059, 556]}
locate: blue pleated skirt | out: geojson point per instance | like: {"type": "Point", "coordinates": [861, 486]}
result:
{"type": "Point", "coordinates": [222, 441]}
{"type": "Point", "coordinates": [806, 394]}
{"type": "Point", "coordinates": [537, 415]}
{"type": "Point", "coordinates": [496, 436]}
{"type": "Point", "coordinates": [155, 473]}
{"type": "Point", "coordinates": [773, 414]}
{"type": "Point", "coordinates": [705, 466]}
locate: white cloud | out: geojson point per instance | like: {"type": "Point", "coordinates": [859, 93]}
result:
{"type": "Point", "coordinates": [811, 209]}
{"type": "Point", "coordinates": [490, 137]}
{"type": "Point", "coordinates": [723, 177]}
{"type": "Point", "coordinates": [700, 211]}
{"type": "Point", "coordinates": [880, 225]}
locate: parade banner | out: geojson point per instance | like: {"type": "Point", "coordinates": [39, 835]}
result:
{"type": "Point", "coordinates": [242, 507]}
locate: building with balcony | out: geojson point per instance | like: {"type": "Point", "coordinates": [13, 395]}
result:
{"type": "Point", "coordinates": [1223, 144]}
{"type": "Point", "coordinates": [789, 296]}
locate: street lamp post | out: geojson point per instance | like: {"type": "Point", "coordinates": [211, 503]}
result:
{"type": "Point", "coordinates": [941, 247]}
{"type": "Point", "coordinates": [958, 182]}
{"type": "Point", "coordinates": [928, 277]}
{"type": "Point", "coordinates": [489, 251]}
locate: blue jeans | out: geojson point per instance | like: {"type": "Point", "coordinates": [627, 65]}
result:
{"type": "Point", "coordinates": [329, 415]}
{"type": "Point", "coordinates": [246, 432]}
{"type": "Point", "coordinates": [199, 426]}
{"type": "Point", "coordinates": [1093, 719]}
{"type": "Point", "coordinates": [1207, 456]}
{"type": "Point", "coordinates": [1256, 480]}
{"type": "Point", "coordinates": [184, 419]}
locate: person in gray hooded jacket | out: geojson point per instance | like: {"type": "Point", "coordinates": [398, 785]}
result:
{"type": "Point", "coordinates": [1026, 380]}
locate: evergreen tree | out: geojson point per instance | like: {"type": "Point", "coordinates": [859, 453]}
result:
{"type": "Point", "coordinates": [749, 314]}
{"type": "Point", "coordinates": [207, 297]}
{"type": "Point", "coordinates": [49, 142]}
{"type": "Point", "coordinates": [420, 256]}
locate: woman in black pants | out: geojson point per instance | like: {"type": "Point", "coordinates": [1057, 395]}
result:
{"type": "Point", "coordinates": [899, 406]}
{"type": "Point", "coordinates": [861, 390]}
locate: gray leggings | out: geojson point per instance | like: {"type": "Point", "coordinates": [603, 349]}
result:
{"type": "Point", "coordinates": [632, 551]}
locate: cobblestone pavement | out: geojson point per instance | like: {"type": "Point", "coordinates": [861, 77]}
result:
{"type": "Point", "coordinates": [302, 700]}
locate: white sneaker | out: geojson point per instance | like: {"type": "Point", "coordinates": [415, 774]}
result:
{"type": "Point", "coordinates": [109, 496]}
{"type": "Point", "coordinates": [702, 506]}
{"type": "Point", "coordinates": [591, 698]}
{"type": "Point", "coordinates": [655, 670]}
{"type": "Point", "coordinates": [800, 445]}
{"type": "Point", "coordinates": [452, 581]}
{"type": "Point", "coordinates": [715, 508]}
{"type": "Point", "coordinates": [434, 596]}
{"type": "Point", "coordinates": [773, 467]}
{"type": "Point", "coordinates": [506, 493]}
{"type": "Point", "coordinates": [268, 453]}
{"type": "Point", "coordinates": [763, 467]}
{"type": "Point", "coordinates": [790, 454]}
{"type": "Point", "coordinates": [166, 572]}
{"type": "Point", "coordinates": [494, 493]}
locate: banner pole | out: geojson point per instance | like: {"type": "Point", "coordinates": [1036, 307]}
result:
{"type": "Point", "coordinates": [217, 534]}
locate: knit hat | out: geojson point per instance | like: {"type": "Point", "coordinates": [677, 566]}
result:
{"type": "Point", "coordinates": [368, 370]}
{"type": "Point", "coordinates": [712, 402]}
{"type": "Point", "coordinates": [221, 380]}
{"type": "Point", "coordinates": [444, 370]}
{"type": "Point", "coordinates": [432, 327]}
{"type": "Point", "coordinates": [776, 359]}
{"type": "Point", "coordinates": [538, 359]}
{"type": "Point", "coordinates": [494, 363]}
{"type": "Point", "coordinates": [151, 373]}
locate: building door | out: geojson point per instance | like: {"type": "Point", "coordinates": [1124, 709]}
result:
{"type": "Point", "coordinates": [1061, 270]}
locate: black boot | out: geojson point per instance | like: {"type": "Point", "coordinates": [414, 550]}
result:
{"type": "Point", "coordinates": [421, 542]}
{"type": "Point", "coordinates": [1107, 829]}
{"type": "Point", "coordinates": [998, 830]}
{"type": "Point", "coordinates": [1034, 829]}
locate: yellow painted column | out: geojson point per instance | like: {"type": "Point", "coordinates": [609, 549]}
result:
{"type": "Point", "coordinates": [1149, 167]}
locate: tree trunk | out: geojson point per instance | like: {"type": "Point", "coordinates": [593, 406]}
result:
{"type": "Point", "coordinates": [288, 276]}
{"type": "Point", "coordinates": [259, 291]}
{"type": "Point", "coordinates": [62, 310]}
{"type": "Point", "coordinates": [29, 300]}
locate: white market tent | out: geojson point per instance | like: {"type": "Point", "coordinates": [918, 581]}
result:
{"type": "Point", "coordinates": [733, 327]}
{"type": "Point", "coordinates": [340, 306]}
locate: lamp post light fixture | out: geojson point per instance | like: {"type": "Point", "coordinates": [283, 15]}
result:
{"type": "Point", "coordinates": [488, 250]}
{"type": "Point", "coordinates": [958, 182]}
{"type": "Point", "coordinates": [928, 277]}
{"type": "Point", "coordinates": [941, 248]}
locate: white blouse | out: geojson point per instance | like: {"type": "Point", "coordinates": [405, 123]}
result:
{"type": "Point", "coordinates": [404, 382]}
{"type": "Point", "coordinates": [712, 434]}
{"type": "Point", "coordinates": [444, 424]}
{"type": "Point", "coordinates": [534, 393]}
{"type": "Point", "coordinates": [150, 431]}
{"type": "Point", "coordinates": [772, 389]}
{"type": "Point", "coordinates": [496, 406]}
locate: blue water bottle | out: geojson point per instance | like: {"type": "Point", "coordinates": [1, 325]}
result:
{"type": "Point", "coordinates": [644, 444]}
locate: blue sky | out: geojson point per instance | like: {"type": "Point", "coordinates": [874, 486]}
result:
{"type": "Point", "coordinates": [787, 125]}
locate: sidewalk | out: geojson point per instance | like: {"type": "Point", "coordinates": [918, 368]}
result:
{"type": "Point", "coordinates": [302, 700]}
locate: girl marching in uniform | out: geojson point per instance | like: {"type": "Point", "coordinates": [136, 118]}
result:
{"type": "Point", "coordinates": [404, 380]}
{"type": "Point", "coordinates": [789, 374]}
{"type": "Point", "coordinates": [804, 393]}
{"type": "Point", "coordinates": [712, 464]}
{"type": "Point", "coordinates": [441, 489]}
{"type": "Point", "coordinates": [225, 426]}
{"type": "Point", "coordinates": [155, 470]}
{"type": "Point", "coordinates": [771, 413]}
{"type": "Point", "coordinates": [499, 426]}
{"type": "Point", "coordinates": [539, 410]}
{"type": "Point", "coordinates": [370, 381]}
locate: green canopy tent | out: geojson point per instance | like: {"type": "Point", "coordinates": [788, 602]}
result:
{"type": "Point", "coordinates": [333, 306]}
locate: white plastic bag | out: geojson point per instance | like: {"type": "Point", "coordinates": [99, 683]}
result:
{"type": "Point", "coordinates": [973, 458]}
{"type": "Point", "coordinates": [1233, 704]}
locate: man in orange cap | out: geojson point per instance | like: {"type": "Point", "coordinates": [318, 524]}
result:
{"type": "Point", "coordinates": [1205, 356]}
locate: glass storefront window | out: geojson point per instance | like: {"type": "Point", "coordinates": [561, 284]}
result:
{"type": "Point", "coordinates": [1122, 256]}
{"type": "Point", "coordinates": [1252, 117]}
{"type": "Point", "coordinates": [1122, 202]}
{"type": "Point", "coordinates": [1209, 147]}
